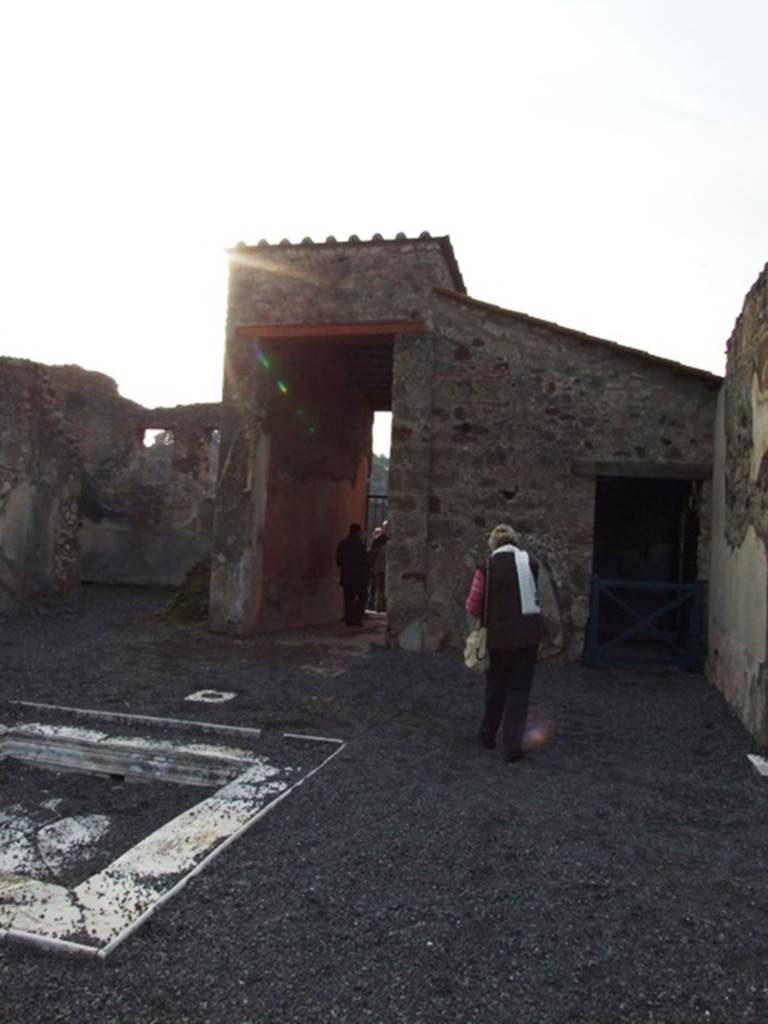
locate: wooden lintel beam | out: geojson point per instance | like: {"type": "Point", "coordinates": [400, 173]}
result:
{"type": "Point", "coordinates": [361, 329]}
{"type": "Point", "coordinates": [648, 470]}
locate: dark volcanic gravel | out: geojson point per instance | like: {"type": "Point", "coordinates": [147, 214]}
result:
{"type": "Point", "coordinates": [617, 875]}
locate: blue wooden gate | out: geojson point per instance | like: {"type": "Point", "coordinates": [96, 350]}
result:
{"type": "Point", "coordinates": [645, 622]}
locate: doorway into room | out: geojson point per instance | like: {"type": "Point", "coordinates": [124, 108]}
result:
{"type": "Point", "coordinates": [646, 601]}
{"type": "Point", "coordinates": [327, 421]}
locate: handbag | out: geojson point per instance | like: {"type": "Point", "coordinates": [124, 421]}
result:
{"type": "Point", "coordinates": [476, 645]}
{"type": "Point", "coordinates": [475, 649]}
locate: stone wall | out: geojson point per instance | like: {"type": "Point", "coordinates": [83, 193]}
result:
{"type": "Point", "coordinates": [334, 282]}
{"type": "Point", "coordinates": [146, 513]}
{"type": "Point", "coordinates": [260, 487]}
{"type": "Point", "coordinates": [492, 415]}
{"type": "Point", "coordinates": [738, 606]}
{"type": "Point", "coordinates": [496, 417]}
{"type": "Point", "coordinates": [39, 488]}
{"type": "Point", "coordinates": [294, 476]}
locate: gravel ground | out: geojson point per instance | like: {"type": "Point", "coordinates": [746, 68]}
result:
{"type": "Point", "coordinates": [616, 875]}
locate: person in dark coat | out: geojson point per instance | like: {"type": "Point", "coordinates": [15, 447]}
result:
{"type": "Point", "coordinates": [352, 560]}
{"type": "Point", "coordinates": [504, 594]}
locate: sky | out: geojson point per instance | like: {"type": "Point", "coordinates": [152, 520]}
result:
{"type": "Point", "coordinates": [599, 163]}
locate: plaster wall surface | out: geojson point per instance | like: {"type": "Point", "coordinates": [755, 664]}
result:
{"type": "Point", "coordinates": [39, 487]}
{"type": "Point", "coordinates": [738, 605]}
{"type": "Point", "coordinates": [317, 485]}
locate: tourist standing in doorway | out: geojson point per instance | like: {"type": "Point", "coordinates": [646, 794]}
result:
{"type": "Point", "coordinates": [352, 560]}
{"type": "Point", "coordinates": [378, 562]}
{"type": "Point", "coordinates": [377, 532]}
{"type": "Point", "coordinates": [504, 594]}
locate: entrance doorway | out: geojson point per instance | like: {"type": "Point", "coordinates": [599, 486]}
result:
{"type": "Point", "coordinates": [646, 529]}
{"type": "Point", "coordinates": [319, 423]}
{"type": "Point", "coordinates": [646, 598]}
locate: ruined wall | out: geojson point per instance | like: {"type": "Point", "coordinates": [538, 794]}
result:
{"type": "Point", "coordinates": [241, 496]}
{"type": "Point", "coordinates": [490, 414]}
{"type": "Point", "coordinates": [39, 488]}
{"type": "Point", "coordinates": [738, 606]}
{"type": "Point", "coordinates": [145, 513]}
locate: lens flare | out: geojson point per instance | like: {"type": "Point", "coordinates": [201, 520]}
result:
{"type": "Point", "coordinates": [538, 734]}
{"type": "Point", "coordinates": [264, 360]}
{"type": "Point", "coordinates": [282, 387]}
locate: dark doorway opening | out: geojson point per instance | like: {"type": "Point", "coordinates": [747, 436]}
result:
{"type": "Point", "coordinates": [321, 395]}
{"type": "Point", "coordinates": [646, 529]}
{"type": "Point", "coordinates": [645, 601]}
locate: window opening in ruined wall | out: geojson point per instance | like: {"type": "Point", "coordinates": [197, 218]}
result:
{"type": "Point", "coordinates": [158, 455]}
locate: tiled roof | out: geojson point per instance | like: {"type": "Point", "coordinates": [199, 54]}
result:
{"type": "Point", "coordinates": [577, 335]}
{"type": "Point", "coordinates": [443, 241]}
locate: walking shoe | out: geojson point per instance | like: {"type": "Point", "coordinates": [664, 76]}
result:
{"type": "Point", "coordinates": [517, 756]}
{"type": "Point", "coordinates": [485, 740]}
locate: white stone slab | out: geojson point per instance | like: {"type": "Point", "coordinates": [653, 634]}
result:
{"type": "Point", "coordinates": [38, 908]}
{"type": "Point", "coordinates": [72, 748]}
{"type": "Point", "coordinates": [68, 732]}
{"type": "Point", "coordinates": [121, 716]}
{"type": "Point", "coordinates": [97, 915]}
{"type": "Point", "coordinates": [30, 848]}
{"type": "Point", "coordinates": [760, 764]}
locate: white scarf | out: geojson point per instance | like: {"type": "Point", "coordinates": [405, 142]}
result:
{"type": "Point", "coordinates": [529, 601]}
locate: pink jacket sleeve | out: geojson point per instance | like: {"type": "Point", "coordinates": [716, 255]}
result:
{"type": "Point", "coordinates": [476, 596]}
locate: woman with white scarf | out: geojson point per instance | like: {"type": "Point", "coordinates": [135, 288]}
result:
{"type": "Point", "coordinates": [504, 595]}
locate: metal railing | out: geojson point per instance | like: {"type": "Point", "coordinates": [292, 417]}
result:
{"type": "Point", "coordinates": [376, 512]}
{"type": "Point", "coordinates": [645, 622]}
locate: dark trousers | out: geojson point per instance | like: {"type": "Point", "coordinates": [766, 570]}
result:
{"type": "Point", "coordinates": [507, 692]}
{"type": "Point", "coordinates": [355, 595]}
